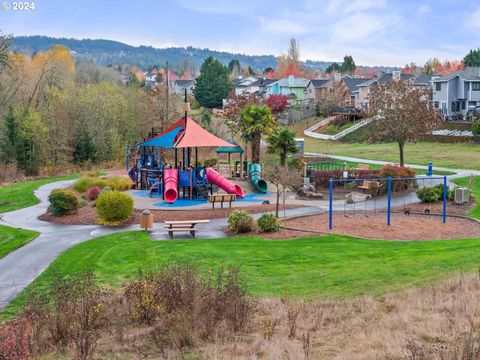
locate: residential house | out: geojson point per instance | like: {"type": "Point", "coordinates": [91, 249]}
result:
{"type": "Point", "coordinates": [246, 85]}
{"type": "Point", "coordinates": [299, 91]}
{"type": "Point", "coordinates": [457, 92]}
{"type": "Point", "coordinates": [364, 88]}
{"type": "Point", "coordinates": [179, 86]}
{"type": "Point", "coordinates": [342, 90]}
{"type": "Point", "coordinates": [262, 84]}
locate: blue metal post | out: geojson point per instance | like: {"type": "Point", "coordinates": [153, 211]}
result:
{"type": "Point", "coordinates": [330, 206]}
{"type": "Point", "coordinates": [389, 200]}
{"type": "Point", "coordinates": [444, 199]}
{"type": "Point", "coordinates": [430, 169]}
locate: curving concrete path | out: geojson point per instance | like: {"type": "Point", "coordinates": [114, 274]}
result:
{"type": "Point", "coordinates": [19, 268]}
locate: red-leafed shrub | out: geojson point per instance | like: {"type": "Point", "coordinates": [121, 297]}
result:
{"type": "Point", "coordinates": [277, 103]}
{"type": "Point", "coordinates": [321, 178]}
{"type": "Point", "coordinates": [93, 192]}
{"type": "Point", "coordinates": [15, 338]}
{"type": "Point", "coordinates": [397, 171]}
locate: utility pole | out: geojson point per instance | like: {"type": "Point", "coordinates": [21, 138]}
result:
{"type": "Point", "coordinates": [166, 92]}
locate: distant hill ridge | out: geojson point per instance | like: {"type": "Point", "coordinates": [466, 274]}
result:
{"type": "Point", "coordinates": [106, 52]}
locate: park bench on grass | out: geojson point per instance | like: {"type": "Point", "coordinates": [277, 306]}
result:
{"type": "Point", "coordinates": [363, 167]}
{"type": "Point", "coordinates": [221, 199]}
{"type": "Point", "coordinates": [368, 185]}
{"type": "Point", "coordinates": [183, 226]}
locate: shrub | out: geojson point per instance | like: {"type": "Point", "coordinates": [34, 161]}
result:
{"type": "Point", "coordinates": [93, 192]}
{"type": "Point", "coordinates": [94, 173]}
{"type": "Point", "coordinates": [82, 184]}
{"type": "Point", "coordinates": [240, 222]}
{"type": "Point", "coordinates": [114, 207]}
{"type": "Point", "coordinates": [295, 163]}
{"type": "Point", "coordinates": [268, 223]}
{"type": "Point", "coordinates": [210, 162]}
{"type": "Point", "coordinates": [397, 171]}
{"type": "Point", "coordinates": [430, 194]}
{"type": "Point", "coordinates": [62, 202]}
{"type": "Point", "coordinates": [99, 182]}
{"type": "Point", "coordinates": [119, 183]}
{"type": "Point", "coordinates": [476, 128]}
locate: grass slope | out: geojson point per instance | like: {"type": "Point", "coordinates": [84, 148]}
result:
{"type": "Point", "coordinates": [11, 239]}
{"type": "Point", "coordinates": [475, 212]}
{"type": "Point", "coordinates": [20, 195]}
{"type": "Point", "coordinates": [332, 266]}
{"type": "Point", "coordinates": [455, 156]}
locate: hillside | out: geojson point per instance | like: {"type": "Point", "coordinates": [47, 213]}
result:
{"type": "Point", "coordinates": [107, 52]}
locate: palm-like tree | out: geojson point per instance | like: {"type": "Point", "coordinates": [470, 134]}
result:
{"type": "Point", "coordinates": [282, 142]}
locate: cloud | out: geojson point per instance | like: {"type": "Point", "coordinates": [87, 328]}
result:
{"type": "Point", "coordinates": [353, 6]}
{"type": "Point", "coordinates": [473, 20]}
{"type": "Point", "coordinates": [218, 6]}
{"type": "Point", "coordinates": [423, 9]}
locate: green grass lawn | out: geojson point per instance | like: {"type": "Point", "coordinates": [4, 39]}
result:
{"type": "Point", "coordinates": [11, 239]}
{"type": "Point", "coordinates": [335, 129]}
{"type": "Point", "coordinates": [463, 156]}
{"type": "Point", "coordinates": [332, 266]}
{"type": "Point", "coordinates": [20, 195]}
{"type": "Point", "coordinates": [475, 212]}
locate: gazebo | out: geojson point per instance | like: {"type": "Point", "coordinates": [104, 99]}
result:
{"type": "Point", "coordinates": [234, 148]}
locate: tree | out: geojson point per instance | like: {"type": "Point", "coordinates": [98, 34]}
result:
{"type": "Point", "coordinates": [234, 64]}
{"type": "Point", "coordinates": [348, 65]}
{"type": "Point", "coordinates": [213, 84]}
{"type": "Point", "coordinates": [11, 138]}
{"type": "Point", "coordinates": [289, 64]}
{"type": "Point", "coordinates": [282, 142]}
{"type": "Point", "coordinates": [402, 113]}
{"type": "Point", "coordinates": [5, 42]}
{"type": "Point", "coordinates": [255, 121]}
{"type": "Point", "coordinates": [333, 67]}
{"type": "Point", "coordinates": [277, 102]}
{"type": "Point", "coordinates": [283, 178]}
{"type": "Point", "coordinates": [472, 58]}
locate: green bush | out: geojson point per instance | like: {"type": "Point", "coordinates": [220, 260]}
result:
{"type": "Point", "coordinates": [476, 128]}
{"type": "Point", "coordinates": [63, 202]}
{"type": "Point", "coordinates": [100, 182]}
{"type": "Point", "coordinates": [119, 183]}
{"type": "Point", "coordinates": [210, 162]}
{"type": "Point", "coordinates": [268, 223]}
{"type": "Point", "coordinates": [114, 207]}
{"type": "Point", "coordinates": [82, 184]}
{"type": "Point", "coordinates": [295, 163]}
{"type": "Point", "coordinates": [240, 222]}
{"type": "Point", "coordinates": [430, 194]}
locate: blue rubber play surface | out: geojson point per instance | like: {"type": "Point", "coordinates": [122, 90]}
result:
{"type": "Point", "coordinates": [187, 202]}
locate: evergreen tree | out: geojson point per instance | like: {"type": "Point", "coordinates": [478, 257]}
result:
{"type": "Point", "coordinates": [333, 67]}
{"type": "Point", "coordinates": [11, 138]}
{"type": "Point", "coordinates": [213, 84]}
{"type": "Point", "coordinates": [84, 148]}
{"type": "Point", "coordinates": [348, 65]}
{"type": "Point", "coordinates": [472, 58]}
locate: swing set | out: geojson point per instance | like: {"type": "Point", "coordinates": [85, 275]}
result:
{"type": "Point", "coordinates": [390, 182]}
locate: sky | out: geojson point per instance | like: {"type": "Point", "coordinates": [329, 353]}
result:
{"type": "Point", "coordinates": [374, 32]}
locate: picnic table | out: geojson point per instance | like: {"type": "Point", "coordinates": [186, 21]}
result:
{"type": "Point", "coordinates": [183, 226]}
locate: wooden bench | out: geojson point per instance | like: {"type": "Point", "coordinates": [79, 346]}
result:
{"type": "Point", "coordinates": [363, 167]}
{"type": "Point", "coordinates": [367, 185]}
{"type": "Point", "coordinates": [183, 226]}
{"type": "Point", "coordinates": [221, 199]}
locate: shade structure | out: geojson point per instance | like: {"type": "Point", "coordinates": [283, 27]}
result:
{"type": "Point", "coordinates": [196, 136]}
{"type": "Point", "coordinates": [186, 134]}
{"type": "Point", "coordinates": [165, 139]}
{"type": "Point", "coordinates": [237, 149]}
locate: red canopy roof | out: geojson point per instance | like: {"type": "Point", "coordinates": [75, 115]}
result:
{"type": "Point", "coordinates": [194, 135]}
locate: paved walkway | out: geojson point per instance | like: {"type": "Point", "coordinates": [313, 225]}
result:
{"type": "Point", "coordinates": [19, 268]}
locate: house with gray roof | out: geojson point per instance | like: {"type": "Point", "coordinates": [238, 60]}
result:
{"type": "Point", "coordinates": [298, 90]}
{"type": "Point", "coordinates": [179, 86]}
{"type": "Point", "coordinates": [363, 89]}
{"type": "Point", "coordinates": [457, 92]}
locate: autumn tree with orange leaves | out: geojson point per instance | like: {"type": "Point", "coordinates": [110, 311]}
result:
{"type": "Point", "coordinates": [289, 64]}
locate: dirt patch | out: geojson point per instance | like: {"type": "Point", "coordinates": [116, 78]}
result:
{"type": "Point", "coordinates": [87, 215]}
{"type": "Point", "coordinates": [403, 227]}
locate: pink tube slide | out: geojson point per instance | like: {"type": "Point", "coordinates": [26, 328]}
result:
{"type": "Point", "coordinates": [170, 180]}
{"type": "Point", "coordinates": [223, 183]}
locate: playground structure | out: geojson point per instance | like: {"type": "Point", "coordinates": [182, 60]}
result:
{"type": "Point", "coordinates": [150, 171]}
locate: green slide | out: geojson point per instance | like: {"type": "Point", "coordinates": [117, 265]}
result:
{"type": "Point", "coordinates": [256, 178]}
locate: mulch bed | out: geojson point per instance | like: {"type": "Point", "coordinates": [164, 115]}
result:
{"type": "Point", "coordinates": [88, 216]}
{"type": "Point", "coordinates": [403, 227]}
